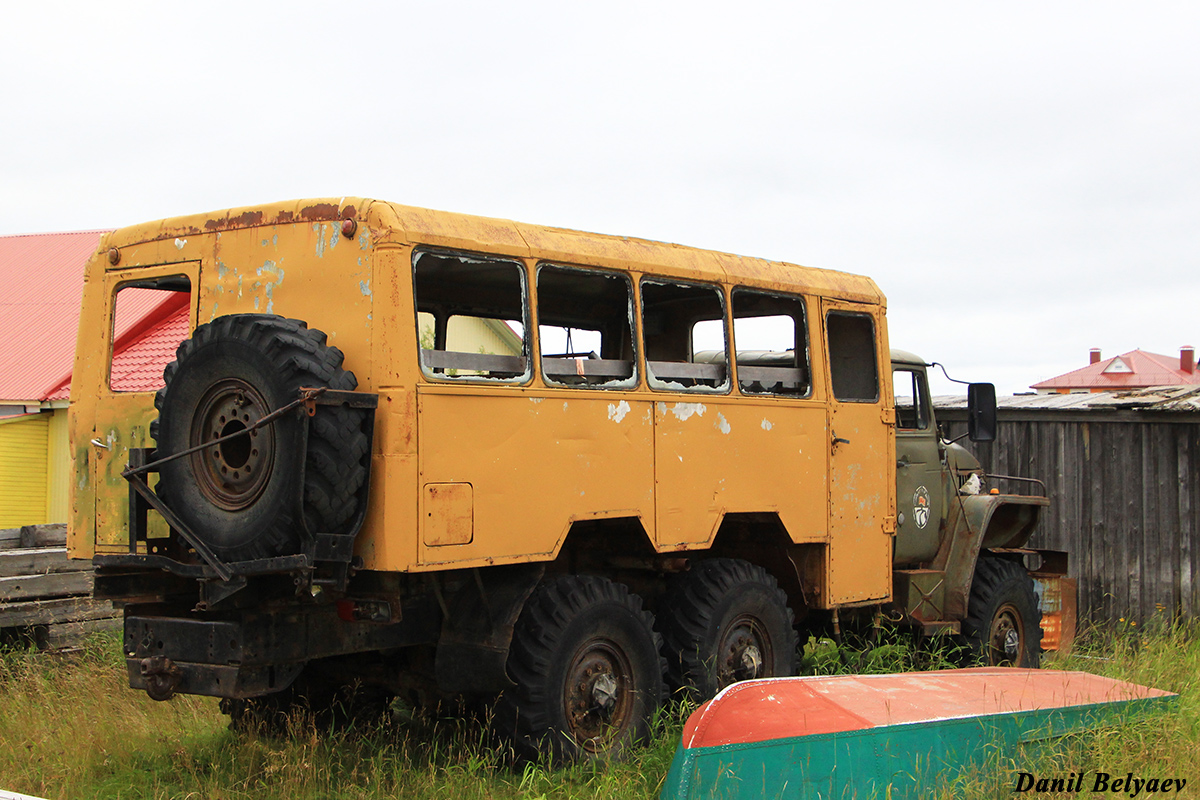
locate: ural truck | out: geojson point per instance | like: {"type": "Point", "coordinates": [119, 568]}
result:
{"type": "Point", "coordinates": [335, 445]}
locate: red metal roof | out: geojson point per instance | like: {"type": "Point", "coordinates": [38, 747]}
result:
{"type": "Point", "coordinates": [1136, 369]}
{"type": "Point", "coordinates": [41, 283]}
{"type": "Point", "coordinates": [145, 351]}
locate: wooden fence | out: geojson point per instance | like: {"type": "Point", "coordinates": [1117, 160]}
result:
{"type": "Point", "coordinates": [1124, 485]}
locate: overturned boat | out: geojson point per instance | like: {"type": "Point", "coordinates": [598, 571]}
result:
{"type": "Point", "coordinates": [863, 736]}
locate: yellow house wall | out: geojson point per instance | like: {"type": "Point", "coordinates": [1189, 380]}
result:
{"type": "Point", "coordinates": [58, 467]}
{"type": "Point", "coordinates": [23, 496]}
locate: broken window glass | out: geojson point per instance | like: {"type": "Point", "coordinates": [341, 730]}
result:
{"type": "Point", "coordinates": [771, 338]}
{"type": "Point", "coordinates": [852, 363]}
{"type": "Point", "coordinates": [683, 328]}
{"type": "Point", "coordinates": [585, 327]}
{"type": "Point", "coordinates": [471, 317]}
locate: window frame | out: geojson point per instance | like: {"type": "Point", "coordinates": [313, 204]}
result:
{"type": "Point", "coordinates": [654, 383]}
{"type": "Point", "coordinates": [620, 384]}
{"type": "Point", "coordinates": [426, 371]}
{"type": "Point", "coordinates": [922, 401]}
{"type": "Point", "coordinates": [167, 284]}
{"type": "Point", "coordinates": [833, 364]}
{"type": "Point", "coordinates": [806, 366]}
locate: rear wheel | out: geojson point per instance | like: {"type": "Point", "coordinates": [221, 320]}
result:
{"type": "Point", "coordinates": [584, 656]}
{"type": "Point", "coordinates": [239, 497]}
{"type": "Point", "coordinates": [726, 620]}
{"type": "Point", "coordinates": [1003, 624]}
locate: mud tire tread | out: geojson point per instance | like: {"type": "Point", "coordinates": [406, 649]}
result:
{"type": "Point", "coordinates": [336, 458]}
{"type": "Point", "coordinates": [998, 581]}
{"type": "Point", "coordinates": [687, 619]}
{"type": "Point", "coordinates": [526, 714]}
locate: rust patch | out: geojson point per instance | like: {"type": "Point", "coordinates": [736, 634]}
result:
{"type": "Point", "coordinates": [249, 219]}
{"type": "Point", "coordinates": [319, 212]}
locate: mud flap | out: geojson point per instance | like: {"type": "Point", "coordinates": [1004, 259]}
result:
{"type": "Point", "coordinates": [472, 651]}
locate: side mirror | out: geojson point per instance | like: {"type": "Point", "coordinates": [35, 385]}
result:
{"type": "Point", "coordinates": [981, 412]}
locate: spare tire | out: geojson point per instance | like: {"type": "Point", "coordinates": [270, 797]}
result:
{"type": "Point", "coordinates": [239, 497]}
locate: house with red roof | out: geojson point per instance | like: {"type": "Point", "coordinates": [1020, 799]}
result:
{"type": "Point", "coordinates": [41, 285]}
{"type": "Point", "coordinates": [1137, 369]}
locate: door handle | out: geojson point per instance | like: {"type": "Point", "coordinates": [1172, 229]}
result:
{"type": "Point", "coordinates": [99, 443]}
{"type": "Point", "coordinates": [903, 462]}
{"type": "Point", "coordinates": [839, 440]}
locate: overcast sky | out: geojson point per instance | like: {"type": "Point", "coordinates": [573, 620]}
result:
{"type": "Point", "coordinates": [1021, 179]}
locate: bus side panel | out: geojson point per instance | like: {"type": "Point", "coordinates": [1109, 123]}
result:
{"type": "Point", "coordinates": [534, 460]}
{"type": "Point", "coordinates": [715, 456]}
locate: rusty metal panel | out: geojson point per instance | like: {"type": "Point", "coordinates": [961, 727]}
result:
{"type": "Point", "coordinates": [537, 461]}
{"type": "Point", "coordinates": [311, 272]}
{"type": "Point", "coordinates": [447, 514]}
{"type": "Point", "coordinates": [722, 455]}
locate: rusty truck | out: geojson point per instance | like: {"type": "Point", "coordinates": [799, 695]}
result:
{"type": "Point", "coordinates": [344, 448]}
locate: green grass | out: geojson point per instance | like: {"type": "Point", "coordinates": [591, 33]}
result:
{"type": "Point", "coordinates": [70, 728]}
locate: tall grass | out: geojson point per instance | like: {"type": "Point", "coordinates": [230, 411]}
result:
{"type": "Point", "coordinates": [70, 728]}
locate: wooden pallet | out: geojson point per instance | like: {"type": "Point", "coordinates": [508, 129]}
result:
{"type": "Point", "coordinates": [46, 597]}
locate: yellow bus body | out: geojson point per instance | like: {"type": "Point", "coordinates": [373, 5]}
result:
{"type": "Point", "coordinates": [473, 473]}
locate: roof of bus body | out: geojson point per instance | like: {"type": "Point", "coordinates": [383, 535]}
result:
{"type": "Point", "coordinates": [391, 223]}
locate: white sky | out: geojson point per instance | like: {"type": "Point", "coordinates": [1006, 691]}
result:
{"type": "Point", "coordinates": [1020, 178]}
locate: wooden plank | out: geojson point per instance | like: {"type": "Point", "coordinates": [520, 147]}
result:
{"type": "Point", "coordinates": [10, 538]}
{"type": "Point", "coordinates": [72, 634]}
{"type": "Point", "coordinates": [53, 535]}
{"type": "Point", "coordinates": [1189, 598]}
{"type": "Point", "coordinates": [49, 612]}
{"type": "Point", "coordinates": [29, 587]}
{"type": "Point", "coordinates": [40, 561]}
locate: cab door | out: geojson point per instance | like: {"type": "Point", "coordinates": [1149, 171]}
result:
{"type": "Point", "coordinates": [861, 456]}
{"type": "Point", "coordinates": [149, 311]}
{"type": "Point", "coordinates": [918, 468]}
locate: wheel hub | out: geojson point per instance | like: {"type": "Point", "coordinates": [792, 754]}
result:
{"type": "Point", "coordinates": [741, 655]}
{"type": "Point", "coordinates": [598, 702]}
{"type": "Point", "coordinates": [1006, 636]}
{"type": "Point", "coordinates": [234, 473]}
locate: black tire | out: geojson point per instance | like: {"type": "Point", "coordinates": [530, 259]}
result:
{"type": "Point", "coordinates": [239, 497]}
{"type": "Point", "coordinates": [584, 656]}
{"type": "Point", "coordinates": [725, 620]}
{"type": "Point", "coordinates": [1003, 623]}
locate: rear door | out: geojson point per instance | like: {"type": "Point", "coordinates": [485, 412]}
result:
{"type": "Point", "coordinates": [150, 310]}
{"type": "Point", "coordinates": [861, 456]}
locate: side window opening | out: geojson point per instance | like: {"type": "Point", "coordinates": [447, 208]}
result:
{"type": "Point", "coordinates": [471, 317]}
{"type": "Point", "coordinates": [585, 327]}
{"type": "Point", "coordinates": [771, 337]}
{"type": "Point", "coordinates": [683, 328]}
{"type": "Point", "coordinates": [150, 319]}
{"type": "Point", "coordinates": [912, 400]}
{"type": "Point", "coordinates": [853, 366]}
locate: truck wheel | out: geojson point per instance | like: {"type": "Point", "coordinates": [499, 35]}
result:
{"type": "Point", "coordinates": [1003, 624]}
{"type": "Point", "coordinates": [239, 497]}
{"type": "Point", "coordinates": [726, 620]}
{"type": "Point", "coordinates": [584, 656]}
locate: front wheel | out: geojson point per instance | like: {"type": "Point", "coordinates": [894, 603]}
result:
{"type": "Point", "coordinates": [1003, 624]}
{"type": "Point", "coordinates": [584, 656]}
